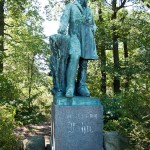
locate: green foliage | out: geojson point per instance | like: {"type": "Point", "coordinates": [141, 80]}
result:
{"type": "Point", "coordinates": [23, 84]}
{"type": "Point", "coordinates": [24, 88]}
{"type": "Point", "coordinates": [136, 108]}
{"type": "Point", "coordinates": [30, 116]}
{"type": "Point", "coordinates": [8, 140]}
{"type": "Point", "coordinates": [8, 90]}
{"type": "Point", "coordinates": [93, 77]}
{"type": "Point", "coordinates": [127, 112]}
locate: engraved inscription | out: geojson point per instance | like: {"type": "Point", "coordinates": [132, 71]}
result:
{"type": "Point", "coordinates": [74, 126]}
{"type": "Point", "coordinates": [94, 116]}
{"type": "Point", "coordinates": [71, 127]}
{"type": "Point", "coordinates": [79, 127]}
{"type": "Point", "coordinates": [83, 116]}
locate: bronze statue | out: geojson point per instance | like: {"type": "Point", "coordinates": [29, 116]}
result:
{"type": "Point", "coordinates": [77, 21]}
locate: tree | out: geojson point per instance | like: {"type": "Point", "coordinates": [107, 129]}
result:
{"type": "Point", "coordinates": [21, 76]}
{"type": "Point", "coordinates": [127, 111]}
{"type": "Point", "coordinates": [115, 37]}
{"type": "Point", "coordinates": [102, 49]}
{"type": "Point", "coordinates": [1, 34]}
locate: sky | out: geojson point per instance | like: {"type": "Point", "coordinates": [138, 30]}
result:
{"type": "Point", "coordinates": [50, 27]}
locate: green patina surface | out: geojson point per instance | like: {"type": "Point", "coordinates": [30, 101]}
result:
{"type": "Point", "coordinates": [77, 101]}
{"type": "Point", "coordinates": [76, 40]}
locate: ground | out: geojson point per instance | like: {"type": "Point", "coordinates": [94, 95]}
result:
{"type": "Point", "coordinates": [37, 129]}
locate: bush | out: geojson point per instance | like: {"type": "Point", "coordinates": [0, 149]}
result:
{"type": "Point", "coordinates": [129, 114]}
{"type": "Point", "coordinates": [136, 120]}
{"type": "Point", "coordinates": [137, 133]}
{"type": "Point", "coordinates": [32, 116]}
{"type": "Point", "coordinates": [8, 140]}
{"type": "Point", "coordinates": [8, 91]}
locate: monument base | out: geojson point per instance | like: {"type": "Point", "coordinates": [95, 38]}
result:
{"type": "Point", "coordinates": [77, 127]}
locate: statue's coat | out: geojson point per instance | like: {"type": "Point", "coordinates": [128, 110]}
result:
{"type": "Point", "coordinates": [81, 30]}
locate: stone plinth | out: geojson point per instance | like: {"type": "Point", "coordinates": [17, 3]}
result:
{"type": "Point", "coordinates": [77, 124]}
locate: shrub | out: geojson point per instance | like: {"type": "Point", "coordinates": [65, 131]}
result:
{"type": "Point", "coordinates": [8, 140]}
{"type": "Point", "coordinates": [129, 114]}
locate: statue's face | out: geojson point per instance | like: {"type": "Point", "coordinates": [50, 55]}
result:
{"type": "Point", "coordinates": [83, 2]}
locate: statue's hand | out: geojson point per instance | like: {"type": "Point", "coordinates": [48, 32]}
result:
{"type": "Point", "coordinates": [62, 30]}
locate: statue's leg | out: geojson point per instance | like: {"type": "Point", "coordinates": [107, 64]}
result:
{"type": "Point", "coordinates": [82, 89]}
{"type": "Point", "coordinates": [71, 74]}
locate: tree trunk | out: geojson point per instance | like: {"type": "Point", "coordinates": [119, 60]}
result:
{"type": "Point", "coordinates": [103, 71]}
{"type": "Point", "coordinates": [126, 84]}
{"type": "Point", "coordinates": [1, 34]}
{"type": "Point", "coordinates": [103, 58]}
{"type": "Point", "coordinates": [125, 49]}
{"type": "Point", "coordinates": [30, 79]}
{"type": "Point", "coordinates": [116, 82]}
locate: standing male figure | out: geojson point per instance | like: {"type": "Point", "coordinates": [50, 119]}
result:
{"type": "Point", "coordinates": [78, 19]}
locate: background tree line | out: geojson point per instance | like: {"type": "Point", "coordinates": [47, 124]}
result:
{"type": "Point", "coordinates": [120, 77]}
{"type": "Point", "coordinates": [24, 88]}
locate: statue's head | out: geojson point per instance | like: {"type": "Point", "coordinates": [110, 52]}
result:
{"type": "Point", "coordinates": [83, 2]}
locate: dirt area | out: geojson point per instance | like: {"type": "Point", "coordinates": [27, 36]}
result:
{"type": "Point", "coordinates": [37, 129]}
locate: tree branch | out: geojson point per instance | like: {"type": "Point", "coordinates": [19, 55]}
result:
{"type": "Point", "coordinates": [148, 5]}
{"type": "Point", "coordinates": [107, 3]}
{"type": "Point", "coordinates": [12, 38]}
{"type": "Point", "coordinates": [8, 35]}
{"type": "Point", "coordinates": [8, 25]}
{"type": "Point", "coordinates": [122, 5]}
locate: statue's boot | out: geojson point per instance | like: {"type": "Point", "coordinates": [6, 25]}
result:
{"type": "Point", "coordinates": [71, 75]}
{"type": "Point", "coordinates": [82, 89]}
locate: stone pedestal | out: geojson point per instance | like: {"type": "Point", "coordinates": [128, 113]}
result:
{"type": "Point", "coordinates": [77, 124]}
